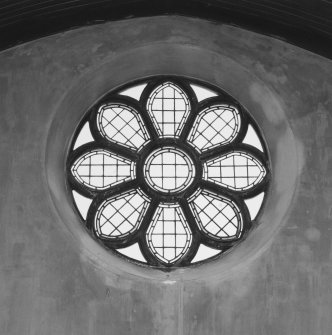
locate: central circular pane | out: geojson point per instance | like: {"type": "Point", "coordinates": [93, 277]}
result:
{"type": "Point", "coordinates": [169, 170]}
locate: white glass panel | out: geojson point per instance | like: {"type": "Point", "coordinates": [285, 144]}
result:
{"type": "Point", "coordinates": [84, 136]}
{"type": "Point", "coordinates": [82, 203]}
{"type": "Point", "coordinates": [254, 204]}
{"type": "Point", "coordinates": [204, 253]}
{"type": "Point", "coordinates": [216, 125]}
{"type": "Point", "coordinates": [121, 215]}
{"type": "Point", "coordinates": [133, 251]}
{"type": "Point", "coordinates": [217, 216]}
{"type": "Point", "coordinates": [169, 170]}
{"type": "Point", "coordinates": [100, 169]}
{"type": "Point", "coordinates": [169, 236]}
{"type": "Point", "coordinates": [134, 92]}
{"type": "Point", "coordinates": [202, 93]}
{"type": "Point", "coordinates": [122, 124]}
{"type": "Point", "coordinates": [252, 138]}
{"type": "Point", "coordinates": [236, 170]}
{"type": "Point", "coordinates": [168, 107]}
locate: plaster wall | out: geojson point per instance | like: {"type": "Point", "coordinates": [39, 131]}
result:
{"type": "Point", "coordinates": [54, 279]}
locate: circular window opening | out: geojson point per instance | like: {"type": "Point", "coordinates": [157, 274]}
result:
{"type": "Point", "coordinates": [168, 171]}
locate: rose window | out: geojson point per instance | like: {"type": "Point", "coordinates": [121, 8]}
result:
{"type": "Point", "coordinates": [168, 172]}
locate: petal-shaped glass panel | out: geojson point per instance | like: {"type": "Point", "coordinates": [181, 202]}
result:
{"type": "Point", "coordinates": [169, 236]}
{"type": "Point", "coordinates": [121, 215]}
{"type": "Point", "coordinates": [216, 216]}
{"type": "Point", "coordinates": [215, 125]}
{"type": "Point", "coordinates": [237, 170]}
{"type": "Point", "coordinates": [168, 107]}
{"type": "Point", "coordinates": [99, 169]}
{"type": "Point", "coordinates": [122, 124]}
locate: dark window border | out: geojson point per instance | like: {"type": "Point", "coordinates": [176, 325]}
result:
{"type": "Point", "coordinates": [139, 182]}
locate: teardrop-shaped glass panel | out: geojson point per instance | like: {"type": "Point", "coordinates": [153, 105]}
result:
{"type": "Point", "coordinates": [121, 215]}
{"type": "Point", "coordinates": [99, 169]}
{"type": "Point", "coordinates": [122, 124]}
{"type": "Point", "coordinates": [215, 125]}
{"type": "Point", "coordinates": [237, 170]}
{"type": "Point", "coordinates": [216, 216]}
{"type": "Point", "coordinates": [169, 236]}
{"type": "Point", "coordinates": [168, 107]}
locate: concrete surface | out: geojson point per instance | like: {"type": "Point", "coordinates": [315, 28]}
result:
{"type": "Point", "coordinates": [54, 279]}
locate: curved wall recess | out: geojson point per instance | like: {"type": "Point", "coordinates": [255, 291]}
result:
{"type": "Point", "coordinates": [209, 61]}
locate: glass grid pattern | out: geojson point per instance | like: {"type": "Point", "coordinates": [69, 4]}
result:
{"type": "Point", "coordinates": [216, 216]}
{"type": "Point", "coordinates": [123, 125]}
{"type": "Point", "coordinates": [100, 169]}
{"type": "Point", "coordinates": [237, 170]}
{"type": "Point", "coordinates": [169, 236]}
{"type": "Point", "coordinates": [168, 107]}
{"type": "Point", "coordinates": [121, 215]}
{"type": "Point", "coordinates": [214, 126]}
{"type": "Point", "coordinates": [169, 170]}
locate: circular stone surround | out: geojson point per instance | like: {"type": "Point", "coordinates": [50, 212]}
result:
{"type": "Point", "coordinates": [212, 64]}
{"type": "Point", "coordinates": [169, 170]}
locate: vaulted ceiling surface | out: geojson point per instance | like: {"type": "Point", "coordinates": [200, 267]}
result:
{"type": "Point", "coordinates": [306, 23]}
